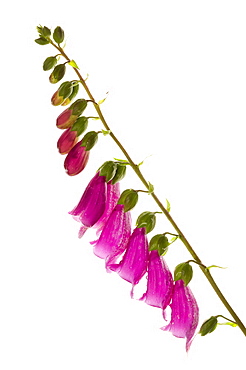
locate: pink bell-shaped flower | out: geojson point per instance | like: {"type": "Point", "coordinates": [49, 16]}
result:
{"type": "Point", "coordinates": [160, 282]}
{"type": "Point", "coordinates": [114, 236]}
{"type": "Point", "coordinates": [134, 262]}
{"type": "Point", "coordinates": [185, 313]}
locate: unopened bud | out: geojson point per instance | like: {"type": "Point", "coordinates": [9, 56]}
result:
{"type": "Point", "coordinates": [58, 35]}
{"type": "Point", "coordinates": [49, 63]}
{"type": "Point", "coordinates": [72, 96]}
{"type": "Point", "coordinates": [208, 326]}
{"type": "Point", "coordinates": [80, 125]}
{"type": "Point", "coordinates": [58, 73]}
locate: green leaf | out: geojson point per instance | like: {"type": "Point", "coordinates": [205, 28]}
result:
{"type": "Point", "coordinates": [151, 188]}
{"type": "Point", "coordinates": [121, 160]}
{"type": "Point", "coordinates": [101, 101]}
{"type": "Point", "coordinates": [209, 267]}
{"type": "Point", "coordinates": [168, 205]}
{"type": "Point", "coordinates": [106, 132]}
{"type": "Point", "coordinates": [73, 64]}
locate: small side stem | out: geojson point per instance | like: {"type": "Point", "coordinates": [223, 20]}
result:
{"type": "Point", "coordinates": [156, 199]}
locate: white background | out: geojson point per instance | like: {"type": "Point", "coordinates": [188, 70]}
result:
{"type": "Point", "coordinates": [175, 72]}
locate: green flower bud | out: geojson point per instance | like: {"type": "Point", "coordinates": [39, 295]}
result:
{"type": "Point", "coordinates": [58, 35]}
{"type": "Point", "coordinates": [80, 125]}
{"type": "Point", "coordinates": [129, 198]}
{"type": "Point", "coordinates": [208, 326]}
{"type": "Point", "coordinates": [78, 107]}
{"type": "Point", "coordinates": [120, 173]}
{"type": "Point", "coordinates": [159, 242]}
{"type": "Point", "coordinates": [42, 41]}
{"type": "Point", "coordinates": [89, 140]}
{"type": "Point", "coordinates": [58, 73]}
{"type": "Point", "coordinates": [72, 96]}
{"type": "Point", "coordinates": [147, 220]}
{"type": "Point", "coordinates": [46, 31]}
{"type": "Point", "coordinates": [49, 63]}
{"type": "Point", "coordinates": [108, 169]}
{"type": "Point", "coordinates": [184, 272]}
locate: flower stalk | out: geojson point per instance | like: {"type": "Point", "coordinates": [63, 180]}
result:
{"type": "Point", "coordinates": [138, 172]}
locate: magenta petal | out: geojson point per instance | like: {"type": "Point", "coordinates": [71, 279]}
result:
{"type": "Point", "coordinates": [92, 203]}
{"type": "Point", "coordinates": [76, 159]}
{"type": "Point", "coordinates": [185, 313]}
{"type": "Point", "coordinates": [134, 263]}
{"type": "Point", "coordinates": [114, 236]}
{"type": "Point", "coordinates": [113, 194]}
{"type": "Point", "coordinates": [160, 282]}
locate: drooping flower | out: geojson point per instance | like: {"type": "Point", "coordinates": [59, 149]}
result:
{"type": "Point", "coordinates": [67, 141]}
{"type": "Point", "coordinates": [76, 159]}
{"type": "Point", "coordinates": [160, 282]}
{"type": "Point", "coordinates": [96, 203]}
{"type": "Point", "coordinates": [114, 236]}
{"type": "Point", "coordinates": [133, 265]}
{"type": "Point", "coordinates": [185, 313]}
{"type": "Point", "coordinates": [68, 117]}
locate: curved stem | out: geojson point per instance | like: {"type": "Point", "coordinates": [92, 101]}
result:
{"type": "Point", "coordinates": [156, 199]}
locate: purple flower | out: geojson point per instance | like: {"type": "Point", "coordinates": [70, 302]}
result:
{"type": "Point", "coordinates": [114, 236]}
{"type": "Point", "coordinates": [134, 263]}
{"type": "Point", "coordinates": [185, 313]}
{"type": "Point", "coordinates": [160, 282]}
{"type": "Point", "coordinates": [92, 203]}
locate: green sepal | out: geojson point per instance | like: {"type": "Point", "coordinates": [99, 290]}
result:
{"type": "Point", "coordinates": [58, 35]}
{"type": "Point", "coordinates": [129, 199]}
{"type": "Point", "coordinates": [184, 272]}
{"type": "Point", "coordinates": [160, 243]}
{"type": "Point", "coordinates": [49, 63]}
{"type": "Point", "coordinates": [209, 326]}
{"type": "Point", "coordinates": [89, 140]}
{"type": "Point", "coordinates": [66, 89]}
{"type": "Point", "coordinates": [108, 169]}
{"type": "Point", "coordinates": [147, 220]}
{"type": "Point", "coordinates": [58, 73]}
{"type": "Point", "coordinates": [80, 125]}
{"type": "Point", "coordinates": [72, 96]}
{"type": "Point", "coordinates": [78, 107]}
{"type": "Point", "coordinates": [120, 173]}
{"type": "Point", "coordinates": [42, 41]}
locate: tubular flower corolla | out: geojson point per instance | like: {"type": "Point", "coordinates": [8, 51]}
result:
{"type": "Point", "coordinates": [67, 141]}
{"type": "Point", "coordinates": [160, 282]}
{"type": "Point", "coordinates": [114, 236]}
{"type": "Point", "coordinates": [134, 262]}
{"type": "Point", "coordinates": [185, 313]}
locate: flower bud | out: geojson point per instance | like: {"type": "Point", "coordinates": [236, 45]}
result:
{"type": "Point", "coordinates": [160, 243]}
{"type": "Point", "coordinates": [120, 173]}
{"type": "Point", "coordinates": [70, 115]}
{"type": "Point", "coordinates": [49, 63]}
{"type": "Point", "coordinates": [89, 140]}
{"type": "Point", "coordinates": [184, 272]}
{"type": "Point", "coordinates": [58, 35]}
{"type": "Point", "coordinates": [58, 73]}
{"type": "Point", "coordinates": [72, 96]}
{"type": "Point", "coordinates": [76, 159]}
{"type": "Point", "coordinates": [108, 169]}
{"type": "Point", "coordinates": [80, 125]}
{"type": "Point", "coordinates": [208, 326]}
{"type": "Point", "coordinates": [67, 141]}
{"type": "Point", "coordinates": [129, 198]}
{"type": "Point", "coordinates": [42, 41]}
{"type": "Point", "coordinates": [62, 93]}
{"type": "Point", "coordinates": [147, 220]}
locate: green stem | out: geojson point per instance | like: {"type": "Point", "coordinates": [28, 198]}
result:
{"type": "Point", "coordinates": [156, 199]}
